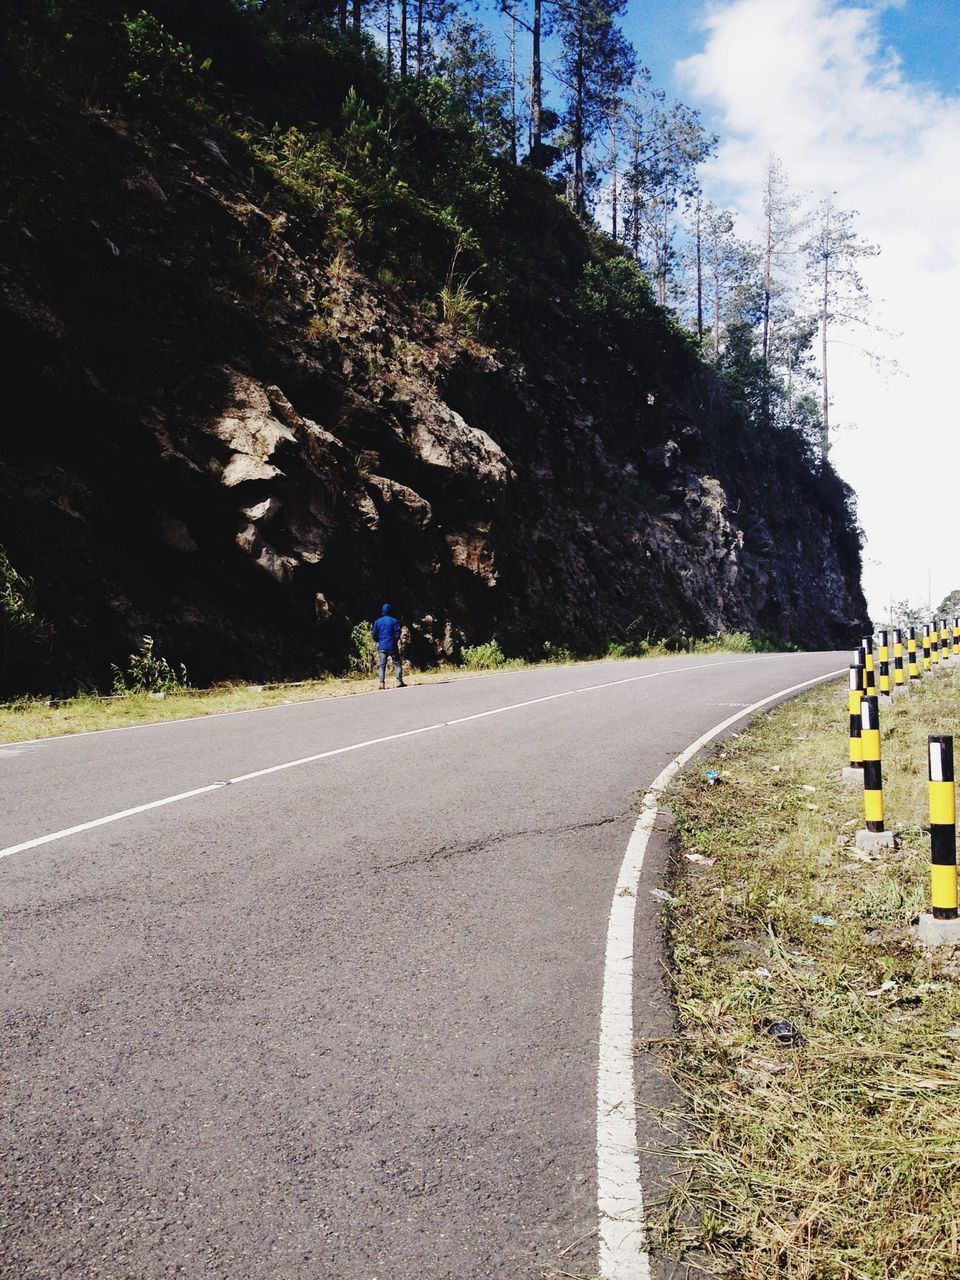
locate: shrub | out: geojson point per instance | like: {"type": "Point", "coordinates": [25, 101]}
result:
{"type": "Point", "coordinates": [483, 657]}
{"type": "Point", "coordinates": [556, 652]}
{"type": "Point", "coordinates": [725, 642]}
{"type": "Point", "coordinates": [147, 673]}
{"type": "Point", "coordinates": [460, 309]}
{"type": "Point", "coordinates": [614, 292]}
{"type": "Point", "coordinates": [627, 649]}
{"type": "Point", "coordinates": [362, 659]}
{"type": "Point", "coordinates": [159, 64]}
{"type": "Point", "coordinates": [20, 624]}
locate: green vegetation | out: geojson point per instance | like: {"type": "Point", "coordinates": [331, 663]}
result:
{"type": "Point", "coordinates": [21, 626]}
{"type": "Point", "coordinates": [557, 652]}
{"type": "Point", "coordinates": [147, 672]}
{"type": "Point", "coordinates": [483, 657]}
{"type": "Point", "coordinates": [720, 642]}
{"type": "Point", "coordinates": [839, 1158]}
{"type": "Point", "coordinates": [363, 650]}
{"type": "Point", "coordinates": [158, 64]}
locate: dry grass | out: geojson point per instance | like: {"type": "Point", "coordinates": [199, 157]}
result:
{"type": "Point", "coordinates": [841, 1158]}
{"type": "Point", "coordinates": [39, 718]}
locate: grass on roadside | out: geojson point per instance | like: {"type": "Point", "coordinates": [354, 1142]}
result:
{"type": "Point", "coordinates": [840, 1158]}
{"type": "Point", "coordinates": [27, 718]}
{"type": "Point", "coordinates": [39, 717]}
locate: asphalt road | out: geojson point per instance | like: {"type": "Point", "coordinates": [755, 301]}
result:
{"type": "Point", "coordinates": [337, 1021]}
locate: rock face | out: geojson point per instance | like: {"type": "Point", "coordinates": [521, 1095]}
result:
{"type": "Point", "coordinates": [235, 445]}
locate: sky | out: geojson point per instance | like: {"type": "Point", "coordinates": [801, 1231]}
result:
{"type": "Point", "coordinates": [861, 99]}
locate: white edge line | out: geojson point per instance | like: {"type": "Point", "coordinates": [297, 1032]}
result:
{"type": "Point", "coordinates": [339, 697]}
{"type": "Point", "coordinates": [622, 1232]}
{"type": "Point", "coordinates": [37, 841]}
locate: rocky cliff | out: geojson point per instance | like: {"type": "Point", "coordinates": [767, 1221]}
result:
{"type": "Point", "coordinates": [221, 433]}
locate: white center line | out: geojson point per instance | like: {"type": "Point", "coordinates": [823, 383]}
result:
{"type": "Point", "coordinates": [339, 751]}
{"type": "Point", "coordinates": [623, 1248]}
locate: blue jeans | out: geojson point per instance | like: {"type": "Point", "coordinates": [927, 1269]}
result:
{"type": "Point", "coordinates": [397, 664]}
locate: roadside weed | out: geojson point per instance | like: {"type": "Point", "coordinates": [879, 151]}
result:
{"type": "Point", "coordinates": [839, 1158]}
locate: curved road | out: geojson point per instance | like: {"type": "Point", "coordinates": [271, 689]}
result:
{"type": "Point", "coordinates": [337, 1020]}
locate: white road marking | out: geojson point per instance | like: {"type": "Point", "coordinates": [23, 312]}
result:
{"type": "Point", "coordinates": [623, 1251]}
{"type": "Point", "coordinates": [339, 751]}
{"type": "Point", "coordinates": [338, 697]}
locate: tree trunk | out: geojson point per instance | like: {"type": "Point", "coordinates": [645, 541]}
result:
{"type": "Point", "coordinates": [419, 38]}
{"type": "Point", "coordinates": [767, 293]}
{"type": "Point", "coordinates": [824, 312]}
{"type": "Point", "coordinates": [356, 16]}
{"type": "Point", "coordinates": [699, 278]}
{"type": "Point", "coordinates": [513, 85]}
{"type": "Point", "coordinates": [767, 285]}
{"type": "Point", "coordinates": [403, 39]}
{"type": "Point", "coordinates": [613, 175]}
{"type": "Point", "coordinates": [635, 191]}
{"type": "Point", "coordinates": [536, 81]}
{"type": "Point", "coordinates": [342, 13]}
{"type": "Point", "coordinates": [389, 39]}
{"type": "Point", "coordinates": [579, 185]}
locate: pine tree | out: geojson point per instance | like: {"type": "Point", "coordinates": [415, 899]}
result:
{"type": "Point", "coordinates": [832, 255]}
{"type": "Point", "coordinates": [467, 60]}
{"type": "Point", "coordinates": [597, 62]}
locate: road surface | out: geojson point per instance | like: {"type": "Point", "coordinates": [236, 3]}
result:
{"type": "Point", "coordinates": [337, 1019]}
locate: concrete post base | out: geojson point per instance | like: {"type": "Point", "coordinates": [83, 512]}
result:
{"type": "Point", "coordinates": [938, 933]}
{"type": "Point", "coordinates": [850, 776]}
{"type": "Point", "coordinates": [874, 841]}
{"type": "Point", "coordinates": [886, 699]}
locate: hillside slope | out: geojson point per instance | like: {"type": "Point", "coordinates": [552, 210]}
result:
{"type": "Point", "coordinates": [238, 434]}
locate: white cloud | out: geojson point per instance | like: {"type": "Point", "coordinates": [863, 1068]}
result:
{"type": "Point", "coordinates": [811, 81]}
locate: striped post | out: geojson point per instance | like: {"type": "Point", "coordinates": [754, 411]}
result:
{"type": "Point", "coordinates": [872, 780]}
{"type": "Point", "coordinates": [898, 676]}
{"type": "Point", "coordinates": [870, 668]}
{"type": "Point", "coordinates": [943, 829]}
{"type": "Point", "coordinates": [884, 664]}
{"type": "Point", "coordinates": [944, 641]}
{"type": "Point", "coordinates": [856, 697]}
{"type": "Point", "coordinates": [913, 667]}
{"type": "Point", "coordinates": [956, 637]}
{"type": "Point", "coordinates": [927, 660]}
{"type": "Point", "coordinates": [934, 643]}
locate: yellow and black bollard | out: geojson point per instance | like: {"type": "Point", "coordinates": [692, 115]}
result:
{"type": "Point", "coordinates": [870, 670]}
{"type": "Point", "coordinates": [898, 676]}
{"type": "Point", "coordinates": [956, 637]}
{"type": "Point", "coordinates": [927, 660]}
{"type": "Point", "coordinates": [944, 641]}
{"type": "Point", "coordinates": [856, 697]}
{"type": "Point", "coordinates": [934, 643]}
{"type": "Point", "coordinates": [943, 829]}
{"type": "Point", "coordinates": [884, 665]}
{"type": "Point", "coordinates": [872, 779]}
{"type": "Point", "coordinates": [913, 667]}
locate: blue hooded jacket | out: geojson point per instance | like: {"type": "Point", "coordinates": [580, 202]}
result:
{"type": "Point", "coordinates": [386, 630]}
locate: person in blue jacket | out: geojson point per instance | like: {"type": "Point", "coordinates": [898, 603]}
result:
{"type": "Point", "coordinates": [386, 634]}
